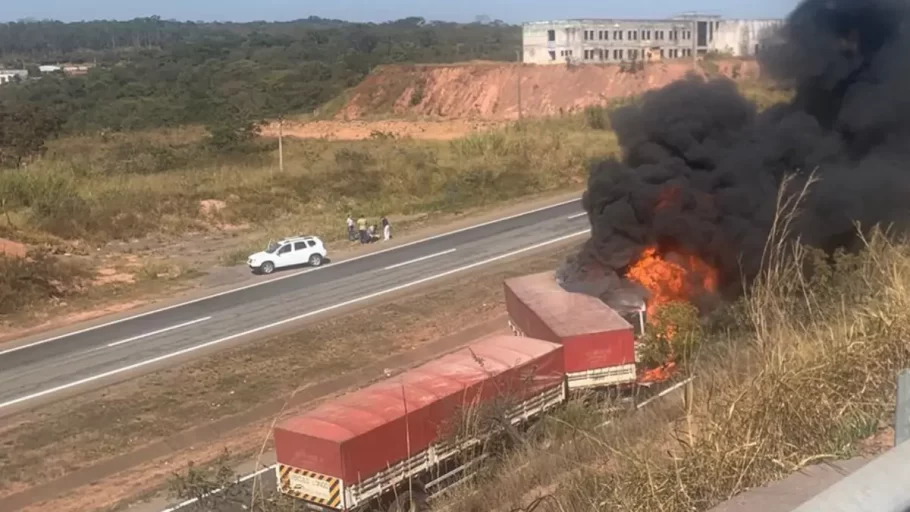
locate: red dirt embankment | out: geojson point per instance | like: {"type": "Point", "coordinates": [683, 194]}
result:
{"type": "Point", "coordinates": [489, 91]}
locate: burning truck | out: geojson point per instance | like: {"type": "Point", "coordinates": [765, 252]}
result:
{"type": "Point", "coordinates": [395, 444]}
{"type": "Point", "coordinates": [683, 215]}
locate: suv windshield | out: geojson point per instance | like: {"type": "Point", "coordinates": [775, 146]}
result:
{"type": "Point", "coordinates": [272, 247]}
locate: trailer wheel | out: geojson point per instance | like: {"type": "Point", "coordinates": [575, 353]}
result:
{"type": "Point", "coordinates": [414, 501]}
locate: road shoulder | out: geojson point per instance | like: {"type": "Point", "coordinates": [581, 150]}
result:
{"type": "Point", "coordinates": [221, 279]}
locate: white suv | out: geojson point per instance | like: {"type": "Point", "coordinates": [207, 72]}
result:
{"type": "Point", "coordinates": [288, 253]}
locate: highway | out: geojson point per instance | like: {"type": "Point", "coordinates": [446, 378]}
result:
{"type": "Point", "coordinates": [90, 357]}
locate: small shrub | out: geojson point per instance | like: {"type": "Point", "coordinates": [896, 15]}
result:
{"type": "Point", "coordinates": [39, 278]}
{"type": "Point", "coordinates": [597, 118]}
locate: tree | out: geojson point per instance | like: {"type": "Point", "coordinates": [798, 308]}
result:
{"type": "Point", "coordinates": [24, 131]}
{"type": "Point", "coordinates": [150, 73]}
{"type": "Point", "coordinates": [235, 128]}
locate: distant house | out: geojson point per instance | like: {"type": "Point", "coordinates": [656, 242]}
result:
{"type": "Point", "coordinates": [49, 69]}
{"type": "Point", "coordinates": [12, 75]}
{"type": "Point", "coordinates": [76, 69]}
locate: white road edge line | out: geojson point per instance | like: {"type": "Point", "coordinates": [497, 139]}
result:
{"type": "Point", "coordinates": [577, 215]}
{"type": "Point", "coordinates": [286, 321]}
{"type": "Point", "coordinates": [422, 258]}
{"type": "Point", "coordinates": [216, 491]}
{"type": "Point", "coordinates": [295, 274]}
{"type": "Point", "coordinates": [159, 331]}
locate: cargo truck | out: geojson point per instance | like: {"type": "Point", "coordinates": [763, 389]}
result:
{"type": "Point", "coordinates": [390, 445]}
{"type": "Point", "coordinates": [599, 344]}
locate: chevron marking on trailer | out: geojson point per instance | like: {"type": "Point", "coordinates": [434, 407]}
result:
{"type": "Point", "coordinates": [310, 486]}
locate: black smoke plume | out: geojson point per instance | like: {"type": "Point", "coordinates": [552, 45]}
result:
{"type": "Point", "coordinates": [714, 163]}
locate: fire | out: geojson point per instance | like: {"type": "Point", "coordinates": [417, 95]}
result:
{"type": "Point", "coordinates": [677, 278]}
{"type": "Point", "coordinates": [671, 278]}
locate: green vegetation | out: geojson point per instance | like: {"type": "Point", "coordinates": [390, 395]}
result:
{"type": "Point", "coordinates": [123, 186]}
{"type": "Point", "coordinates": [155, 73]}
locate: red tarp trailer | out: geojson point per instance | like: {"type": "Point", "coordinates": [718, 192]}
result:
{"type": "Point", "coordinates": [351, 449]}
{"type": "Point", "coordinates": [599, 344]}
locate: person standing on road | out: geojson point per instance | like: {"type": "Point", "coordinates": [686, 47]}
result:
{"type": "Point", "coordinates": [352, 234]}
{"type": "Point", "coordinates": [362, 226]}
{"type": "Point", "coordinates": [386, 228]}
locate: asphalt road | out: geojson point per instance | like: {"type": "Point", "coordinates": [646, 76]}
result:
{"type": "Point", "coordinates": [52, 368]}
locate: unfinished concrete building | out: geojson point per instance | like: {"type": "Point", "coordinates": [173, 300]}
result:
{"type": "Point", "coordinates": [624, 40]}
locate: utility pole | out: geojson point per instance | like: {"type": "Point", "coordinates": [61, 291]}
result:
{"type": "Point", "coordinates": [695, 45]}
{"type": "Point", "coordinates": [519, 61]}
{"type": "Point", "coordinates": [280, 143]}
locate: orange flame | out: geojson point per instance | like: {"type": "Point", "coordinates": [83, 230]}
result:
{"type": "Point", "coordinates": [679, 278]}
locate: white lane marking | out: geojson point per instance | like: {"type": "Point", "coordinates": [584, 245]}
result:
{"type": "Point", "coordinates": [288, 276]}
{"type": "Point", "coordinates": [577, 215]}
{"type": "Point", "coordinates": [286, 321]}
{"type": "Point", "coordinates": [159, 331]}
{"type": "Point", "coordinates": [216, 491]}
{"type": "Point", "coordinates": [422, 258]}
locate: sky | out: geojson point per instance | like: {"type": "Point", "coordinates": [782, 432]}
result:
{"type": "Point", "coordinates": [511, 11]}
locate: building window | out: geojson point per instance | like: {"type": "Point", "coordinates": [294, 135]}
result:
{"type": "Point", "coordinates": [617, 54]}
{"type": "Point", "coordinates": [551, 35]}
{"type": "Point", "coordinates": [552, 55]}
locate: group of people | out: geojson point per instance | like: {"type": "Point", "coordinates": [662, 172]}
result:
{"type": "Point", "coordinates": [366, 234]}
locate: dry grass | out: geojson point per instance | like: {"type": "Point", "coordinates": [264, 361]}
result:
{"type": "Point", "coordinates": [803, 372]}
{"type": "Point", "coordinates": [38, 278]}
{"type": "Point", "coordinates": [122, 186]}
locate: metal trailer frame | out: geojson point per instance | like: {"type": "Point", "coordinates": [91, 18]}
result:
{"type": "Point", "coordinates": [422, 470]}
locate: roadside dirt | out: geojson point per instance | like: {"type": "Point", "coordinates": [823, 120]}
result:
{"type": "Point", "coordinates": [125, 283]}
{"type": "Point", "coordinates": [489, 91]}
{"type": "Point", "coordinates": [12, 249]}
{"type": "Point", "coordinates": [66, 442]}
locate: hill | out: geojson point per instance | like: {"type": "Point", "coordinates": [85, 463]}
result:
{"type": "Point", "coordinates": [151, 73]}
{"type": "Point", "coordinates": [489, 90]}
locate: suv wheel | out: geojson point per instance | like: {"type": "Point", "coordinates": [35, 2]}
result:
{"type": "Point", "coordinates": [267, 268]}
{"type": "Point", "coordinates": [315, 260]}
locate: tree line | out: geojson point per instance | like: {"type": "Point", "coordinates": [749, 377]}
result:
{"type": "Point", "coordinates": [151, 72]}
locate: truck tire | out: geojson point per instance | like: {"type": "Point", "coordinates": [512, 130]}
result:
{"type": "Point", "coordinates": [414, 501]}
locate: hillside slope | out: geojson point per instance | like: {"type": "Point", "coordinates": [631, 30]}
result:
{"type": "Point", "coordinates": [489, 91]}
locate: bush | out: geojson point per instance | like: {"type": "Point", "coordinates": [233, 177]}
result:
{"type": "Point", "coordinates": [40, 277]}
{"type": "Point", "coordinates": [597, 118]}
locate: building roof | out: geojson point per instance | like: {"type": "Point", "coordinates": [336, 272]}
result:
{"type": "Point", "coordinates": [678, 18]}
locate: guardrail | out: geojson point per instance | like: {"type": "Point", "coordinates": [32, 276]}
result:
{"type": "Point", "coordinates": [882, 485]}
